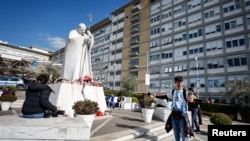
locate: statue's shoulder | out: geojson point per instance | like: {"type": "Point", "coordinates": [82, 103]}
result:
{"type": "Point", "coordinates": [73, 34]}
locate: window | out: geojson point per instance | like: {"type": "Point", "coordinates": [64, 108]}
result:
{"type": "Point", "coordinates": [155, 70]}
{"type": "Point", "coordinates": [247, 3]}
{"type": "Point", "coordinates": [135, 39]}
{"type": "Point", "coordinates": [154, 43]}
{"type": "Point", "coordinates": [166, 40]}
{"type": "Point", "coordinates": [212, 12]}
{"type": "Point", "coordinates": [196, 49]}
{"type": "Point", "coordinates": [179, 10]}
{"type": "Point", "coordinates": [214, 45]}
{"type": "Point", "coordinates": [248, 20]}
{"type": "Point", "coordinates": [154, 57]}
{"type": "Point", "coordinates": [155, 31]}
{"type": "Point", "coordinates": [166, 84]}
{"type": "Point", "coordinates": [135, 50]}
{"type": "Point", "coordinates": [207, 1]}
{"type": "Point", "coordinates": [231, 6]}
{"type": "Point", "coordinates": [180, 37]}
{"type": "Point", "coordinates": [195, 33]}
{"type": "Point", "coordinates": [180, 52]}
{"type": "Point", "coordinates": [214, 28]}
{"type": "Point", "coordinates": [236, 61]}
{"type": "Point", "coordinates": [180, 67]}
{"type": "Point", "coordinates": [155, 19]}
{"type": "Point", "coordinates": [166, 14]}
{"type": "Point", "coordinates": [134, 62]}
{"type": "Point", "coordinates": [194, 84]}
{"type": "Point", "coordinates": [167, 68]}
{"type": "Point", "coordinates": [193, 3]}
{"type": "Point", "coordinates": [155, 7]}
{"type": "Point", "coordinates": [235, 41]}
{"type": "Point", "coordinates": [166, 27]}
{"type": "Point", "coordinates": [134, 73]}
{"type": "Point", "coordinates": [215, 63]}
{"type": "Point", "coordinates": [194, 18]}
{"type": "Point", "coordinates": [233, 23]}
{"type": "Point", "coordinates": [193, 65]}
{"type": "Point", "coordinates": [216, 82]}
{"type": "Point", "coordinates": [167, 55]}
{"type": "Point", "coordinates": [166, 2]}
{"type": "Point", "coordinates": [154, 84]}
{"type": "Point", "coordinates": [118, 51]}
{"type": "Point", "coordinates": [179, 23]}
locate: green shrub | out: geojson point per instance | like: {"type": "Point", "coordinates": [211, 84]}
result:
{"type": "Point", "coordinates": [148, 101]}
{"type": "Point", "coordinates": [85, 107]}
{"type": "Point", "coordinates": [8, 97]}
{"type": "Point", "coordinates": [219, 108]}
{"type": "Point", "coordinates": [135, 99]}
{"type": "Point", "coordinates": [12, 88]}
{"type": "Point", "coordinates": [220, 119]}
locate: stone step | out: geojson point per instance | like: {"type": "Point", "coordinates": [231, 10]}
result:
{"type": "Point", "coordinates": [49, 129]}
{"type": "Point", "coordinates": [17, 104]}
{"type": "Point", "coordinates": [130, 134]}
{"type": "Point", "coordinates": [156, 134]}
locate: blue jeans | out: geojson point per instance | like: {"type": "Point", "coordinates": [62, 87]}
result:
{"type": "Point", "coordinates": [178, 127]}
{"type": "Point", "coordinates": [41, 115]}
{"type": "Point", "coordinates": [194, 119]}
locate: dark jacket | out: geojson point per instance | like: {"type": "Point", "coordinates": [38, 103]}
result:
{"type": "Point", "coordinates": [37, 99]}
{"type": "Point", "coordinates": [193, 105]}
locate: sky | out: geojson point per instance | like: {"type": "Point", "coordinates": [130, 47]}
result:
{"type": "Point", "coordinates": [47, 23]}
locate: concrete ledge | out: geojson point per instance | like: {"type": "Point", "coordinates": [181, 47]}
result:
{"type": "Point", "coordinates": [59, 128]}
{"type": "Point", "coordinates": [162, 113]}
{"type": "Point", "coordinates": [127, 106]}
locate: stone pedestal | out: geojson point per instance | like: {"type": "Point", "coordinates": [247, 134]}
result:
{"type": "Point", "coordinates": [95, 93]}
{"type": "Point", "coordinates": [67, 94]}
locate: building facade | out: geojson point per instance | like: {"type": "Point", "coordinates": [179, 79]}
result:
{"type": "Point", "coordinates": [205, 41]}
{"type": "Point", "coordinates": [22, 61]}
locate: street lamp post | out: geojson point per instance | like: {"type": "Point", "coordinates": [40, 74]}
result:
{"type": "Point", "coordinates": [147, 76]}
{"type": "Point", "coordinates": [114, 76]}
{"type": "Point", "coordinates": [197, 77]}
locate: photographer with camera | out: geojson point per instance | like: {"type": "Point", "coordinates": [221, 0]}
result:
{"type": "Point", "coordinates": [37, 104]}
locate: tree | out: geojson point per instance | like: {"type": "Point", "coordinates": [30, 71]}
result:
{"type": "Point", "coordinates": [239, 89]}
{"type": "Point", "coordinates": [129, 83]}
{"type": "Point", "coordinates": [53, 71]}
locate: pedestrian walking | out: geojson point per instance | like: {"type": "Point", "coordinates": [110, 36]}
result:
{"type": "Point", "coordinates": [179, 106]}
{"type": "Point", "coordinates": [121, 102]}
{"type": "Point", "coordinates": [194, 108]}
{"type": "Point", "coordinates": [112, 102]}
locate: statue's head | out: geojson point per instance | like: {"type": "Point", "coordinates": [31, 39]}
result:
{"type": "Point", "coordinates": [81, 28]}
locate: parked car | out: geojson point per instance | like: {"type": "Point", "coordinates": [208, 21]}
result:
{"type": "Point", "coordinates": [11, 81]}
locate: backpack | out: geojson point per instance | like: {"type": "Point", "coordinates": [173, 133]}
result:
{"type": "Point", "coordinates": [184, 94]}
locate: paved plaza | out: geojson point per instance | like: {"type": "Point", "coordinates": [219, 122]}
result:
{"type": "Point", "coordinates": [122, 124]}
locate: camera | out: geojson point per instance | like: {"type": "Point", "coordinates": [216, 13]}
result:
{"type": "Point", "coordinates": [59, 112]}
{"type": "Point", "coordinates": [48, 113]}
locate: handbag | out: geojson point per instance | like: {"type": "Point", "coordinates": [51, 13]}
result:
{"type": "Point", "coordinates": [188, 128]}
{"type": "Point", "coordinates": [168, 124]}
